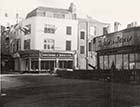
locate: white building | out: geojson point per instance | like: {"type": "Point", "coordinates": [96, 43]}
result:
{"type": "Point", "coordinates": [88, 29]}
{"type": "Point", "coordinates": [46, 39]}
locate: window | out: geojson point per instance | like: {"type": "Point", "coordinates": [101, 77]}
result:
{"type": "Point", "coordinates": [68, 30]}
{"type": "Point", "coordinates": [125, 61]}
{"type": "Point", "coordinates": [82, 50]}
{"type": "Point", "coordinates": [137, 60]}
{"type": "Point", "coordinates": [49, 28]}
{"type": "Point", "coordinates": [41, 13]}
{"type": "Point", "coordinates": [119, 61]}
{"type": "Point", "coordinates": [68, 45]}
{"type": "Point", "coordinates": [82, 35]}
{"type": "Point", "coordinates": [106, 66]}
{"type": "Point", "coordinates": [45, 46]}
{"type": "Point", "coordinates": [27, 44]}
{"type": "Point", "coordinates": [49, 44]}
{"type": "Point", "coordinates": [131, 61]}
{"type": "Point", "coordinates": [60, 16]}
{"type": "Point", "coordinates": [45, 41]}
{"type": "Point", "coordinates": [89, 47]}
{"type": "Point", "coordinates": [101, 62]}
{"type": "Point", "coordinates": [18, 44]}
{"type": "Point", "coordinates": [111, 60]}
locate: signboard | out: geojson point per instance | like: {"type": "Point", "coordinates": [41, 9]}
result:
{"type": "Point", "coordinates": [57, 55]}
{"type": "Point", "coordinates": [115, 40]}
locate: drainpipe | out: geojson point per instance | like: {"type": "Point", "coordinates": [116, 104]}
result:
{"type": "Point", "coordinates": [86, 45]}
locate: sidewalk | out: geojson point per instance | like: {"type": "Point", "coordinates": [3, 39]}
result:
{"type": "Point", "coordinates": [26, 74]}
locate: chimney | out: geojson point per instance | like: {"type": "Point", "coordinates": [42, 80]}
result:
{"type": "Point", "coordinates": [105, 30]}
{"type": "Point", "coordinates": [132, 24]}
{"type": "Point", "coordinates": [116, 26]}
{"type": "Point", "coordinates": [72, 8]}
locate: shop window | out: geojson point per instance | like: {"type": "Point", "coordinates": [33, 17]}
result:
{"type": "Point", "coordinates": [82, 35]}
{"type": "Point", "coordinates": [111, 60]}
{"type": "Point", "coordinates": [45, 64]}
{"type": "Point", "coordinates": [101, 62]}
{"type": "Point", "coordinates": [34, 65]}
{"type": "Point", "coordinates": [125, 61]}
{"type": "Point", "coordinates": [68, 30]}
{"type": "Point", "coordinates": [70, 64]}
{"type": "Point", "coordinates": [82, 50]}
{"type": "Point", "coordinates": [68, 45]}
{"type": "Point", "coordinates": [131, 61]}
{"type": "Point", "coordinates": [137, 57]}
{"type": "Point", "coordinates": [119, 61]}
{"type": "Point", "coordinates": [61, 64]}
{"type": "Point", "coordinates": [137, 65]}
{"type": "Point", "coordinates": [106, 66]}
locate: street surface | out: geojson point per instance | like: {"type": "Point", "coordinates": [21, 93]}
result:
{"type": "Point", "coordinates": [50, 91]}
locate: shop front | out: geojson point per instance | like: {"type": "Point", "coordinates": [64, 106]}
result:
{"type": "Point", "coordinates": [34, 60]}
{"type": "Point", "coordinates": [120, 48]}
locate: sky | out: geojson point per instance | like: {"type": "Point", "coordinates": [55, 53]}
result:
{"type": "Point", "coordinates": [107, 11]}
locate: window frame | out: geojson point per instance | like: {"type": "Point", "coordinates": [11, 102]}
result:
{"type": "Point", "coordinates": [69, 30]}
{"type": "Point", "coordinates": [68, 48]}
{"type": "Point", "coordinates": [82, 49]}
{"type": "Point", "coordinates": [82, 36]}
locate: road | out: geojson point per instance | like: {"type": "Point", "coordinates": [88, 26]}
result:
{"type": "Point", "coordinates": [50, 91]}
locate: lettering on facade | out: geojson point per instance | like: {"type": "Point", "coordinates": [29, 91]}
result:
{"type": "Point", "coordinates": [56, 55]}
{"type": "Point", "coordinates": [114, 41]}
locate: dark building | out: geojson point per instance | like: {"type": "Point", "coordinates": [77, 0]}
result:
{"type": "Point", "coordinates": [121, 48]}
{"type": "Point", "coordinates": [6, 58]}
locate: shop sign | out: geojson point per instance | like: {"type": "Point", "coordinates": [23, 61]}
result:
{"type": "Point", "coordinates": [49, 55]}
{"type": "Point", "coordinates": [114, 41]}
{"type": "Point", "coordinates": [34, 55]}
{"type": "Point", "coordinates": [29, 55]}
{"type": "Point", "coordinates": [65, 55]}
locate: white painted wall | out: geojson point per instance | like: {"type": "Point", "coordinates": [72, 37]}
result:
{"type": "Point", "coordinates": [30, 36]}
{"type": "Point", "coordinates": [87, 29]}
{"type": "Point", "coordinates": [59, 36]}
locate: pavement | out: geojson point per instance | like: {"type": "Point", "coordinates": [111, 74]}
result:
{"type": "Point", "coordinates": [33, 90]}
{"type": "Point", "coordinates": [25, 74]}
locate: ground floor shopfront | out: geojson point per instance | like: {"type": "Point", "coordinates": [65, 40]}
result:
{"type": "Point", "coordinates": [43, 61]}
{"type": "Point", "coordinates": [127, 58]}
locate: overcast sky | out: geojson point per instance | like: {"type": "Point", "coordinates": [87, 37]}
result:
{"type": "Point", "coordinates": [124, 11]}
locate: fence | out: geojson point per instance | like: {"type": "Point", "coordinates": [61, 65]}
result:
{"type": "Point", "coordinates": [116, 75]}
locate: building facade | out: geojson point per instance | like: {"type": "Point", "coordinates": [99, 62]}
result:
{"type": "Point", "coordinates": [121, 48]}
{"type": "Point", "coordinates": [6, 58]}
{"type": "Point", "coordinates": [88, 29]}
{"type": "Point", "coordinates": [46, 39]}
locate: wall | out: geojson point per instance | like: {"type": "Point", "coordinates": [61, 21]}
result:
{"type": "Point", "coordinates": [87, 25]}
{"type": "Point", "coordinates": [59, 36]}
